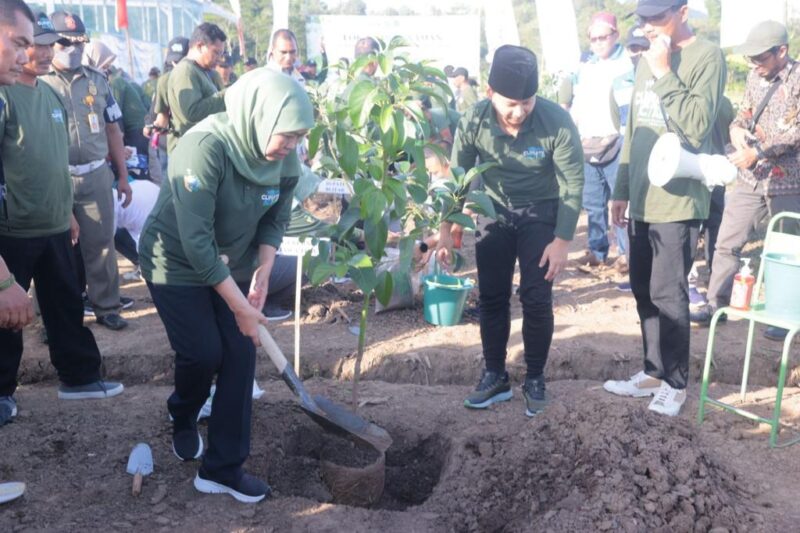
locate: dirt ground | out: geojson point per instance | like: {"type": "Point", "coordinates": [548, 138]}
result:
{"type": "Point", "coordinates": [590, 462]}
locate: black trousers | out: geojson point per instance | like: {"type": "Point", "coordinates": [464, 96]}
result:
{"type": "Point", "coordinates": [50, 263]}
{"type": "Point", "coordinates": [516, 234]}
{"type": "Point", "coordinates": [207, 342]}
{"type": "Point", "coordinates": [126, 246]}
{"type": "Point", "coordinates": [661, 256]}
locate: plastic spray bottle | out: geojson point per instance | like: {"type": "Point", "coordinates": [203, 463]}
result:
{"type": "Point", "coordinates": [742, 289]}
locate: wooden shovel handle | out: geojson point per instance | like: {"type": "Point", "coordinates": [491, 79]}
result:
{"type": "Point", "coordinates": [136, 489]}
{"type": "Point", "coordinates": [272, 349]}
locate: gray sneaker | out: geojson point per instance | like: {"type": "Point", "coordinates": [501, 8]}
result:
{"type": "Point", "coordinates": [8, 409]}
{"type": "Point", "coordinates": [535, 398]}
{"type": "Point", "coordinates": [98, 389]}
{"type": "Point", "coordinates": [492, 388]}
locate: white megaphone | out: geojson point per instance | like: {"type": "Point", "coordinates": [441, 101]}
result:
{"type": "Point", "coordinates": [669, 160]}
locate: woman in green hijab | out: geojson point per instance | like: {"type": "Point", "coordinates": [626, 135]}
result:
{"type": "Point", "coordinates": [207, 250]}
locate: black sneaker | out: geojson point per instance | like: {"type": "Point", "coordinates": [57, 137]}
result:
{"type": "Point", "coordinates": [187, 444]}
{"type": "Point", "coordinates": [126, 302]}
{"type": "Point", "coordinates": [275, 313]}
{"type": "Point", "coordinates": [702, 317]}
{"type": "Point", "coordinates": [112, 321]}
{"type": "Point", "coordinates": [8, 409]}
{"type": "Point", "coordinates": [533, 390]}
{"type": "Point", "coordinates": [492, 388]}
{"type": "Point", "coordinates": [774, 333]}
{"type": "Point", "coordinates": [94, 390]}
{"type": "Point", "coordinates": [249, 489]}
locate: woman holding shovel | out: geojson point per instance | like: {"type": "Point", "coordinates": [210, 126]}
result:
{"type": "Point", "coordinates": [207, 250]}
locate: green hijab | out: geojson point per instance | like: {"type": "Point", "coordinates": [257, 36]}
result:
{"type": "Point", "coordinates": [261, 103]}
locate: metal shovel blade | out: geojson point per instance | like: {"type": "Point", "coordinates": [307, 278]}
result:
{"type": "Point", "coordinates": [140, 460]}
{"type": "Point", "coordinates": [140, 464]}
{"type": "Point", "coordinates": [11, 491]}
{"type": "Point", "coordinates": [330, 416]}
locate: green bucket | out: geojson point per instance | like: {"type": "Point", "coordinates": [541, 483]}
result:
{"type": "Point", "coordinates": [444, 298]}
{"type": "Point", "coordinates": [782, 285]}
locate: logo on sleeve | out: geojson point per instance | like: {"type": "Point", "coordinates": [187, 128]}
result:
{"type": "Point", "coordinates": [57, 116]}
{"type": "Point", "coordinates": [190, 182]}
{"type": "Point", "coordinates": [269, 197]}
{"type": "Point", "coordinates": [534, 152]}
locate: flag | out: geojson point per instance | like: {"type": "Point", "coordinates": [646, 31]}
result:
{"type": "Point", "coordinates": [122, 14]}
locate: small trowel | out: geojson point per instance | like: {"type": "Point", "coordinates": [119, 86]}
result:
{"type": "Point", "coordinates": [140, 464]}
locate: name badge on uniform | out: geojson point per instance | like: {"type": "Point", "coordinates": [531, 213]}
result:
{"type": "Point", "coordinates": [269, 197]}
{"type": "Point", "coordinates": [94, 122]}
{"type": "Point", "coordinates": [534, 152]}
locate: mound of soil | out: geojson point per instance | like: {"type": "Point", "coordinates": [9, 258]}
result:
{"type": "Point", "coordinates": [617, 468]}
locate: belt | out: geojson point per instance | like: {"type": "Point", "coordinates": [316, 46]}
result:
{"type": "Point", "coordinates": [91, 166]}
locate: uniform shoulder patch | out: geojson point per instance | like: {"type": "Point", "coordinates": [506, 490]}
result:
{"type": "Point", "coordinates": [191, 182]}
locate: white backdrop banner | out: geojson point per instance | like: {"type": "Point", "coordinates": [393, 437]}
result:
{"type": "Point", "coordinates": [500, 25]}
{"type": "Point", "coordinates": [447, 40]}
{"type": "Point", "coordinates": [739, 16]}
{"type": "Point", "coordinates": [558, 30]}
{"type": "Point", "coordinates": [145, 55]}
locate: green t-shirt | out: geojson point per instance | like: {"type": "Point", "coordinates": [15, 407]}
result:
{"type": "Point", "coordinates": [205, 209]}
{"type": "Point", "coordinates": [691, 94]}
{"type": "Point", "coordinates": [133, 111]}
{"type": "Point", "coordinates": [149, 89]}
{"type": "Point", "coordinates": [160, 104]}
{"type": "Point", "coordinates": [34, 146]}
{"type": "Point", "coordinates": [544, 161]}
{"type": "Point", "coordinates": [192, 95]}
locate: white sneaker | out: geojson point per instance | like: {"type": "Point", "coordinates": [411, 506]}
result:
{"type": "Point", "coordinates": [258, 392]}
{"type": "Point", "coordinates": [668, 401]}
{"type": "Point", "coordinates": [637, 386]}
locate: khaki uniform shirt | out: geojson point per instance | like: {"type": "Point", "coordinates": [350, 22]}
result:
{"type": "Point", "coordinates": [90, 106]}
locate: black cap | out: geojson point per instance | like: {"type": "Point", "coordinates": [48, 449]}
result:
{"type": "Point", "coordinates": [636, 38]}
{"type": "Point", "coordinates": [448, 70]}
{"type": "Point", "coordinates": [44, 33]}
{"type": "Point", "coordinates": [311, 63]}
{"type": "Point", "coordinates": [226, 61]}
{"type": "Point", "coordinates": [460, 71]}
{"type": "Point", "coordinates": [69, 26]}
{"type": "Point", "coordinates": [651, 8]}
{"type": "Point", "coordinates": [154, 72]}
{"type": "Point", "coordinates": [514, 73]}
{"type": "Point", "coordinates": [251, 62]}
{"type": "Point", "coordinates": [177, 49]}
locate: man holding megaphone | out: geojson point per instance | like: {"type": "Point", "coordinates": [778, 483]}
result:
{"type": "Point", "coordinates": [766, 142]}
{"type": "Point", "coordinates": [678, 88]}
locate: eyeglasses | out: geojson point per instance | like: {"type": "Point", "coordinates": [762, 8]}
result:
{"type": "Point", "coordinates": [763, 57]}
{"type": "Point", "coordinates": [602, 38]}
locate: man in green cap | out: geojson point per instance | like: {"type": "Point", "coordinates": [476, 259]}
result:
{"type": "Point", "coordinates": [207, 251]}
{"type": "Point", "coordinates": [678, 88]}
{"type": "Point", "coordinates": [766, 148]}
{"type": "Point", "coordinates": [536, 188]}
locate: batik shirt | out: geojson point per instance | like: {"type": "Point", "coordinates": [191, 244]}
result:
{"type": "Point", "coordinates": [778, 131]}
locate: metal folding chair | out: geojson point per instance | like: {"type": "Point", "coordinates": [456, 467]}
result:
{"type": "Point", "coordinates": [775, 242]}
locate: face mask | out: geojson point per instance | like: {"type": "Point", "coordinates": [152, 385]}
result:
{"type": "Point", "coordinates": [69, 57]}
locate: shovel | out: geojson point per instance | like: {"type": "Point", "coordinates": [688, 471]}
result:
{"type": "Point", "coordinates": [330, 416]}
{"type": "Point", "coordinates": [11, 491]}
{"type": "Point", "coordinates": [140, 464]}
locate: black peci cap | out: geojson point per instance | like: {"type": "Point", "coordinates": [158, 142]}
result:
{"type": "Point", "coordinates": [514, 73]}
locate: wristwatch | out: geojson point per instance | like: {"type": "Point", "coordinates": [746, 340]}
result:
{"type": "Point", "coordinates": [7, 283]}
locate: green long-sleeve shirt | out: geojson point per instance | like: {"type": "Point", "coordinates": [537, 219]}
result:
{"type": "Point", "coordinates": [691, 94]}
{"type": "Point", "coordinates": [133, 111]}
{"type": "Point", "coordinates": [192, 96]}
{"type": "Point", "coordinates": [544, 161]}
{"type": "Point", "coordinates": [206, 209]}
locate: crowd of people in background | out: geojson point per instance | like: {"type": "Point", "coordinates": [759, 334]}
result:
{"type": "Point", "coordinates": [94, 164]}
